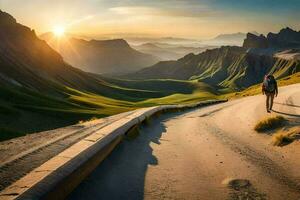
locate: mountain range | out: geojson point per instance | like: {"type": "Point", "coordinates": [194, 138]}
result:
{"type": "Point", "coordinates": [99, 56]}
{"type": "Point", "coordinates": [164, 40]}
{"type": "Point", "coordinates": [165, 51]}
{"type": "Point", "coordinates": [233, 39]}
{"type": "Point", "coordinates": [40, 91]}
{"type": "Point", "coordinates": [233, 66]}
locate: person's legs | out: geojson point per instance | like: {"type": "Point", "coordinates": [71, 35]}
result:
{"type": "Point", "coordinates": [271, 100]}
{"type": "Point", "coordinates": [267, 101]}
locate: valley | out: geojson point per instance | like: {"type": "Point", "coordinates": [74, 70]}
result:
{"type": "Point", "coordinates": [41, 91]}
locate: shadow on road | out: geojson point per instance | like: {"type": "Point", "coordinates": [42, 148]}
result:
{"type": "Point", "coordinates": [122, 174]}
{"type": "Point", "coordinates": [284, 113]}
{"type": "Point", "coordinates": [287, 104]}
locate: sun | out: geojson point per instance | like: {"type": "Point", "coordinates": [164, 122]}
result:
{"type": "Point", "coordinates": [59, 31]}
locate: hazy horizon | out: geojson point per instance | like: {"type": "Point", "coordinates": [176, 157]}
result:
{"type": "Point", "coordinates": [171, 18]}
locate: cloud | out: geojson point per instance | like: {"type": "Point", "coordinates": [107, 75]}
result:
{"type": "Point", "coordinates": [195, 12]}
{"type": "Point", "coordinates": [77, 21]}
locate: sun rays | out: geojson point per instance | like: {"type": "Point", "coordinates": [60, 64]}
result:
{"type": "Point", "coordinates": [59, 31]}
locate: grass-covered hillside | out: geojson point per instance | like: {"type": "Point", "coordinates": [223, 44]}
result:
{"type": "Point", "coordinates": [169, 91]}
{"type": "Point", "coordinates": [256, 89]}
{"type": "Point", "coordinates": [23, 110]}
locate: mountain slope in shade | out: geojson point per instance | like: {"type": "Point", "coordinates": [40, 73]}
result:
{"type": "Point", "coordinates": [29, 62]}
{"type": "Point", "coordinates": [100, 56]}
{"type": "Point", "coordinates": [39, 91]}
{"type": "Point", "coordinates": [235, 67]}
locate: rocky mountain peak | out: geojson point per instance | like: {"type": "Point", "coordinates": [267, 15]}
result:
{"type": "Point", "coordinates": [10, 28]}
{"type": "Point", "coordinates": [286, 38]}
{"type": "Point", "coordinates": [117, 43]}
{"type": "Point", "coordinates": [254, 41]}
{"type": "Point", "coordinates": [289, 35]}
{"type": "Point", "coordinates": [287, 30]}
{"type": "Point", "coordinates": [6, 19]}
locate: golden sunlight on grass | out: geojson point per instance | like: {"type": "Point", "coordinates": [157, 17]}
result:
{"type": "Point", "coordinates": [270, 123]}
{"type": "Point", "coordinates": [88, 120]}
{"type": "Point", "coordinates": [256, 89]}
{"type": "Point", "coordinates": [284, 137]}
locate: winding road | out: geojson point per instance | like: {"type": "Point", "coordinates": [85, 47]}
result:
{"type": "Point", "coordinates": [206, 153]}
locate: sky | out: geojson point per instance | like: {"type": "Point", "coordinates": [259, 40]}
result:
{"type": "Point", "coordinates": [198, 19]}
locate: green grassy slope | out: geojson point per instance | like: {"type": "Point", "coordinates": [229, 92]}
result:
{"type": "Point", "coordinates": [24, 111]}
{"type": "Point", "coordinates": [170, 91]}
{"type": "Point", "coordinates": [256, 89]}
{"type": "Point", "coordinates": [231, 67]}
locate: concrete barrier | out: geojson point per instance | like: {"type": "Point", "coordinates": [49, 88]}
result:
{"type": "Point", "coordinates": [57, 177]}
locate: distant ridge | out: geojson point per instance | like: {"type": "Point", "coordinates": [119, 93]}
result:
{"type": "Point", "coordinates": [232, 36]}
{"type": "Point", "coordinates": [165, 51]}
{"type": "Point", "coordinates": [100, 56]}
{"type": "Point", "coordinates": [229, 39]}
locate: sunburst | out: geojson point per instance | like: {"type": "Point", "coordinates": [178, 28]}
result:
{"type": "Point", "coordinates": [59, 31]}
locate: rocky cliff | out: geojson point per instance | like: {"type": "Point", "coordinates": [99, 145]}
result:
{"type": "Point", "coordinates": [286, 38]}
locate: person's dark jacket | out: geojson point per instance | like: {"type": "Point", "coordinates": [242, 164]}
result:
{"type": "Point", "coordinates": [275, 83]}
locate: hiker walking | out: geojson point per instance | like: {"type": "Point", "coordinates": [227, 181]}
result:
{"type": "Point", "coordinates": [270, 89]}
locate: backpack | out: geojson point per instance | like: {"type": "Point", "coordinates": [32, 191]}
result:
{"type": "Point", "coordinates": [270, 83]}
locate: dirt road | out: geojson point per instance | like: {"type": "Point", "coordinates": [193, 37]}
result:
{"type": "Point", "coordinates": [208, 153]}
